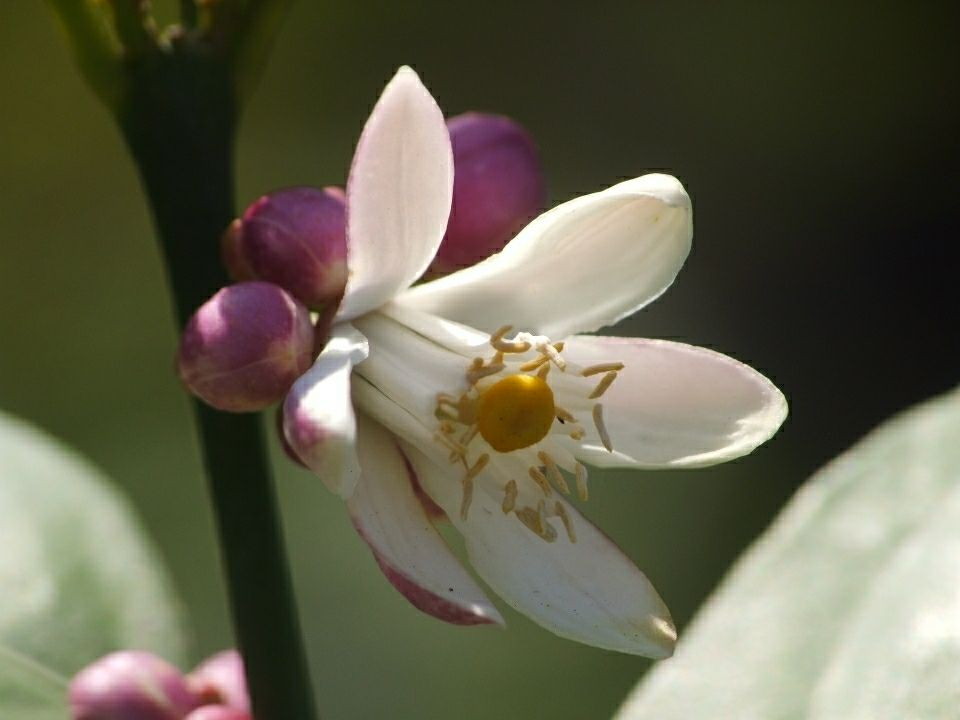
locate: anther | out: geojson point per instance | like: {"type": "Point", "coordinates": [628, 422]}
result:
{"type": "Point", "coordinates": [551, 352]}
{"type": "Point", "coordinates": [478, 466]}
{"type": "Point", "coordinates": [499, 343]}
{"type": "Point", "coordinates": [509, 496]}
{"type": "Point", "coordinates": [467, 497]}
{"type": "Point", "coordinates": [564, 414]}
{"type": "Point", "coordinates": [580, 473]}
{"type": "Point", "coordinates": [561, 512]}
{"type": "Point", "coordinates": [553, 472]}
{"type": "Point", "coordinates": [602, 386]}
{"type": "Point", "coordinates": [473, 375]}
{"type": "Point", "coordinates": [542, 372]}
{"type": "Point", "coordinates": [601, 428]}
{"type": "Point", "coordinates": [601, 368]}
{"type": "Point", "coordinates": [534, 364]}
{"type": "Point", "coordinates": [547, 531]}
{"type": "Point", "coordinates": [540, 479]}
{"type": "Point", "coordinates": [578, 434]}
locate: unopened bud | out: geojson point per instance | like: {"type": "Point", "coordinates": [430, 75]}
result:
{"type": "Point", "coordinates": [130, 685]}
{"type": "Point", "coordinates": [218, 712]}
{"type": "Point", "coordinates": [220, 680]}
{"type": "Point", "coordinates": [294, 238]}
{"type": "Point", "coordinates": [245, 346]}
{"type": "Point", "coordinates": [498, 187]}
{"type": "Point", "coordinates": [233, 260]}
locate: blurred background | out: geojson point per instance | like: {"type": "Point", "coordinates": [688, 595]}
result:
{"type": "Point", "coordinates": [819, 142]}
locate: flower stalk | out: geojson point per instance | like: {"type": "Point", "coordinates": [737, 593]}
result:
{"type": "Point", "coordinates": [177, 103]}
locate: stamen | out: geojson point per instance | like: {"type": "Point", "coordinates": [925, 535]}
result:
{"type": "Point", "coordinates": [447, 428]}
{"type": "Point", "coordinates": [467, 409]}
{"type": "Point", "coordinates": [467, 497]}
{"type": "Point", "coordinates": [451, 445]}
{"type": "Point", "coordinates": [542, 372]}
{"type": "Point", "coordinates": [473, 375]}
{"type": "Point", "coordinates": [548, 532]}
{"type": "Point", "coordinates": [601, 368]}
{"type": "Point", "coordinates": [506, 346]}
{"type": "Point", "coordinates": [580, 472]}
{"type": "Point", "coordinates": [509, 496]}
{"type": "Point", "coordinates": [551, 352]}
{"type": "Point", "coordinates": [553, 472]}
{"type": "Point", "coordinates": [601, 428]}
{"type": "Point", "coordinates": [540, 479]}
{"type": "Point", "coordinates": [578, 433]}
{"type": "Point", "coordinates": [564, 415]}
{"type": "Point", "coordinates": [534, 364]}
{"type": "Point", "coordinates": [560, 345]}
{"type": "Point", "coordinates": [561, 512]}
{"type": "Point", "coordinates": [533, 520]}
{"type": "Point", "coordinates": [602, 386]}
{"type": "Point", "coordinates": [469, 435]}
{"type": "Point", "coordinates": [478, 466]}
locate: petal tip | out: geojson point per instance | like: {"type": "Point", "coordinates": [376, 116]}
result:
{"type": "Point", "coordinates": [661, 636]}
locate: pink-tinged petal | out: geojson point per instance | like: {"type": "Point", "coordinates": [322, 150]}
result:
{"type": "Point", "coordinates": [587, 263]}
{"type": "Point", "coordinates": [674, 405]}
{"type": "Point", "coordinates": [318, 418]}
{"type": "Point", "coordinates": [218, 712]}
{"type": "Point", "coordinates": [398, 195]}
{"type": "Point", "coordinates": [390, 517]}
{"type": "Point", "coordinates": [588, 590]}
{"type": "Point", "coordinates": [221, 680]}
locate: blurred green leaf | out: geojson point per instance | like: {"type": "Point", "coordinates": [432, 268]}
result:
{"type": "Point", "coordinates": [848, 607]}
{"type": "Point", "coordinates": [30, 691]}
{"type": "Point", "coordinates": [79, 579]}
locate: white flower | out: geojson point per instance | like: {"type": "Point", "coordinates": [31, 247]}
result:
{"type": "Point", "coordinates": [423, 389]}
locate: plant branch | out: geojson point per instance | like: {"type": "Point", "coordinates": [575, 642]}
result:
{"type": "Point", "coordinates": [178, 115]}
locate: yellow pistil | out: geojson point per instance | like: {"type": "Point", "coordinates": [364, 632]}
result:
{"type": "Point", "coordinates": [516, 412]}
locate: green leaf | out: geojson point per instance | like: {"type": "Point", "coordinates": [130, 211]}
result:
{"type": "Point", "coordinates": [848, 607]}
{"type": "Point", "coordinates": [79, 578]}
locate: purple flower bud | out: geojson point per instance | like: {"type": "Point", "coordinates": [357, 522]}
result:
{"type": "Point", "coordinates": [130, 685]}
{"type": "Point", "coordinates": [295, 238]}
{"type": "Point", "coordinates": [498, 187]}
{"type": "Point", "coordinates": [218, 712]}
{"type": "Point", "coordinates": [219, 680]}
{"type": "Point", "coordinates": [245, 346]}
{"type": "Point", "coordinates": [236, 264]}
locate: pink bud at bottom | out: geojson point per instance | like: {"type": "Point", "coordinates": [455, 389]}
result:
{"type": "Point", "coordinates": [220, 680]}
{"type": "Point", "coordinates": [296, 238]}
{"type": "Point", "coordinates": [498, 187]}
{"type": "Point", "coordinates": [130, 685]}
{"type": "Point", "coordinates": [218, 712]}
{"type": "Point", "coordinates": [245, 346]}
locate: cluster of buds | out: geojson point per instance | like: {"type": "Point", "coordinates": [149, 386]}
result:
{"type": "Point", "coordinates": [134, 685]}
{"type": "Point", "coordinates": [243, 349]}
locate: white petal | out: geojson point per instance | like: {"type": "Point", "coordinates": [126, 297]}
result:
{"type": "Point", "coordinates": [318, 418]}
{"type": "Point", "coordinates": [674, 405]}
{"type": "Point", "coordinates": [414, 557]}
{"type": "Point", "coordinates": [398, 195]}
{"type": "Point", "coordinates": [584, 264]}
{"type": "Point", "coordinates": [587, 591]}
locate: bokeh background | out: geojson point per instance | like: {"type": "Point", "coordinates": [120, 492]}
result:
{"type": "Point", "coordinates": [819, 142]}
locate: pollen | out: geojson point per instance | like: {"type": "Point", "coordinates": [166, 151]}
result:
{"type": "Point", "coordinates": [516, 412]}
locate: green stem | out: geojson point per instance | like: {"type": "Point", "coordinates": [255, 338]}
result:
{"type": "Point", "coordinates": [179, 119]}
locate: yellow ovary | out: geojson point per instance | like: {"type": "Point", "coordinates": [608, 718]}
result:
{"type": "Point", "coordinates": [516, 412]}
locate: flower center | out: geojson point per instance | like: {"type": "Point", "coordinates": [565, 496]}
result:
{"type": "Point", "coordinates": [516, 412]}
{"type": "Point", "coordinates": [510, 404]}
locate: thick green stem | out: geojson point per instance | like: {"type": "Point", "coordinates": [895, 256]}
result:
{"type": "Point", "coordinates": [179, 117]}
